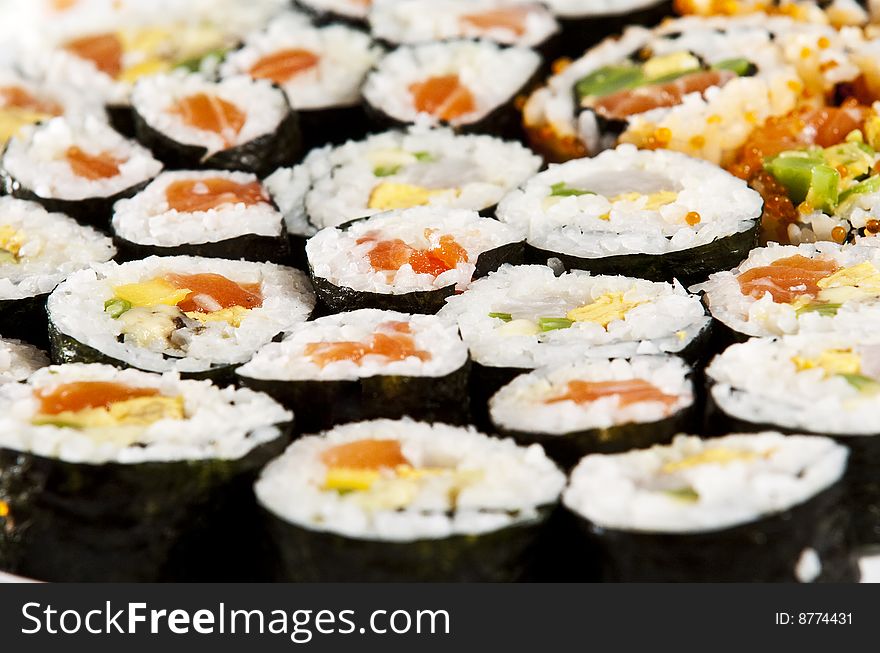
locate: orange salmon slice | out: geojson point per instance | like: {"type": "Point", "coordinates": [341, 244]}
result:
{"type": "Point", "coordinates": [444, 97]}
{"type": "Point", "coordinates": [787, 279]}
{"type": "Point", "coordinates": [284, 65]}
{"type": "Point", "coordinates": [629, 392]}
{"type": "Point", "coordinates": [191, 195]}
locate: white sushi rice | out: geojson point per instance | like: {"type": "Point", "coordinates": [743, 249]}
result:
{"type": "Point", "coordinates": [351, 9]}
{"type": "Point", "coordinates": [507, 485]}
{"type": "Point", "coordinates": [598, 8]}
{"type": "Point", "coordinates": [764, 317]}
{"type": "Point", "coordinates": [287, 360]}
{"type": "Point", "coordinates": [492, 73]}
{"type": "Point", "coordinates": [522, 405]}
{"type": "Point", "coordinates": [264, 104]}
{"type": "Point", "coordinates": [666, 320]}
{"type": "Point", "coordinates": [76, 309]}
{"type": "Point", "coordinates": [333, 185]}
{"type": "Point", "coordinates": [617, 216]}
{"type": "Point", "coordinates": [219, 423]}
{"type": "Point", "coordinates": [147, 219]}
{"type": "Point", "coordinates": [335, 254]}
{"type": "Point", "coordinates": [52, 247]}
{"type": "Point", "coordinates": [345, 57]}
{"type": "Point", "coordinates": [760, 381]}
{"type": "Point", "coordinates": [414, 21]}
{"type": "Point", "coordinates": [636, 491]}
{"type": "Point", "coordinates": [18, 360]}
{"type": "Point", "coordinates": [36, 159]}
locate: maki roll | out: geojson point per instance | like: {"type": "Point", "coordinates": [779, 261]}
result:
{"type": "Point", "coordinates": [399, 170]}
{"type": "Point", "coordinates": [321, 69]}
{"type": "Point", "coordinates": [467, 85]}
{"type": "Point", "coordinates": [238, 123]}
{"type": "Point", "coordinates": [24, 103]}
{"type": "Point", "coordinates": [119, 475]}
{"type": "Point", "coordinates": [18, 360]}
{"type": "Point", "coordinates": [409, 260]}
{"type": "Point", "coordinates": [209, 213]}
{"type": "Point", "coordinates": [80, 168]}
{"type": "Point", "coordinates": [522, 318]}
{"type": "Point", "coordinates": [597, 406]}
{"type": "Point", "coordinates": [405, 501]}
{"type": "Point", "coordinates": [742, 508]}
{"type": "Point", "coordinates": [353, 12]}
{"type": "Point", "coordinates": [783, 289]}
{"type": "Point", "coordinates": [824, 383]}
{"type": "Point", "coordinates": [509, 22]}
{"type": "Point", "coordinates": [365, 364]}
{"type": "Point", "coordinates": [38, 250]}
{"type": "Point", "coordinates": [695, 86]}
{"type": "Point", "coordinates": [197, 316]}
{"type": "Point", "coordinates": [657, 215]}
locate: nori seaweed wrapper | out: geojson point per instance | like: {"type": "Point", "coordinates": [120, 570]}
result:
{"type": "Point", "coordinates": [326, 17]}
{"type": "Point", "coordinates": [689, 266]}
{"type": "Point", "coordinates": [126, 523]}
{"type": "Point", "coordinates": [261, 156]}
{"type": "Point", "coordinates": [91, 211]}
{"type": "Point", "coordinates": [250, 247]}
{"type": "Point", "coordinates": [67, 349]}
{"type": "Point", "coordinates": [25, 319]}
{"type": "Point", "coordinates": [502, 555]}
{"type": "Point", "coordinates": [766, 550]}
{"type": "Point", "coordinates": [581, 33]}
{"type": "Point", "coordinates": [567, 449]}
{"type": "Point", "coordinates": [332, 125]}
{"type": "Point", "coordinates": [320, 405]}
{"type": "Point", "coordinates": [862, 480]}
{"type": "Point", "coordinates": [484, 383]}
{"type": "Point", "coordinates": [121, 118]}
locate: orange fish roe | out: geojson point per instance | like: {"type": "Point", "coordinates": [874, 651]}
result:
{"type": "Point", "coordinates": [103, 50]}
{"type": "Point", "coordinates": [19, 98]}
{"type": "Point", "coordinates": [444, 97]}
{"type": "Point", "coordinates": [394, 346]}
{"type": "Point", "coordinates": [81, 395]}
{"type": "Point", "coordinates": [872, 226]}
{"type": "Point", "coordinates": [628, 392]}
{"type": "Point", "coordinates": [213, 292]}
{"type": "Point", "coordinates": [211, 113]}
{"type": "Point", "coordinates": [190, 195]}
{"type": "Point", "coordinates": [787, 279]}
{"type": "Point", "coordinates": [394, 254]}
{"type": "Point", "coordinates": [92, 166]}
{"type": "Point", "coordinates": [512, 19]}
{"type": "Point", "coordinates": [838, 234]}
{"type": "Point", "coordinates": [365, 454]}
{"type": "Point", "coordinates": [692, 218]}
{"type": "Point", "coordinates": [284, 65]}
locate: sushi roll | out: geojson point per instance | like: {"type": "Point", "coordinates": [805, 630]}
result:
{"type": "Point", "coordinates": [238, 123]}
{"type": "Point", "coordinates": [365, 364]}
{"type": "Point", "coordinates": [824, 383]}
{"type": "Point", "coordinates": [18, 360]}
{"type": "Point", "coordinates": [509, 22]}
{"type": "Point", "coordinates": [657, 215]}
{"type": "Point", "coordinates": [838, 12]}
{"type": "Point", "coordinates": [597, 406]}
{"type": "Point", "coordinates": [521, 318]}
{"type": "Point", "coordinates": [467, 85]}
{"type": "Point", "coordinates": [328, 12]}
{"type": "Point", "coordinates": [23, 103]}
{"type": "Point", "coordinates": [321, 69]}
{"type": "Point", "coordinates": [80, 168]}
{"type": "Point", "coordinates": [211, 213]}
{"type": "Point", "coordinates": [38, 250]}
{"type": "Point", "coordinates": [406, 501]}
{"type": "Point", "coordinates": [409, 260]}
{"type": "Point", "coordinates": [693, 85]}
{"type": "Point", "coordinates": [742, 508]}
{"type": "Point", "coordinates": [119, 475]}
{"type": "Point", "coordinates": [783, 289]}
{"type": "Point", "coordinates": [200, 317]}
{"type": "Point", "coordinates": [399, 170]}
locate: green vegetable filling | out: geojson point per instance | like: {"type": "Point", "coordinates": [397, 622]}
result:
{"type": "Point", "coordinates": [116, 307]}
{"type": "Point", "coordinates": [563, 190]}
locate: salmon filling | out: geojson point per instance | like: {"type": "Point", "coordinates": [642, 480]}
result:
{"type": "Point", "coordinates": [212, 114]}
{"type": "Point", "coordinates": [192, 195]}
{"type": "Point", "coordinates": [16, 97]}
{"type": "Point", "coordinates": [444, 97]}
{"type": "Point", "coordinates": [787, 279]}
{"type": "Point", "coordinates": [628, 392]}
{"type": "Point", "coordinates": [92, 166]}
{"type": "Point", "coordinates": [365, 455]}
{"type": "Point", "coordinates": [210, 293]}
{"type": "Point", "coordinates": [391, 255]}
{"type": "Point", "coordinates": [512, 20]}
{"type": "Point", "coordinates": [103, 50]}
{"type": "Point", "coordinates": [83, 395]}
{"type": "Point", "coordinates": [394, 346]}
{"type": "Point", "coordinates": [284, 65]}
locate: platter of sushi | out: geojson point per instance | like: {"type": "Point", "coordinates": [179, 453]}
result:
{"type": "Point", "coordinates": [440, 290]}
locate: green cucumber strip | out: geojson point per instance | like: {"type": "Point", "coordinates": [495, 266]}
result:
{"type": "Point", "coordinates": [824, 193]}
{"type": "Point", "coordinates": [794, 170]}
{"type": "Point", "coordinates": [194, 64]}
{"type": "Point", "coordinates": [506, 317]}
{"type": "Point", "coordinates": [862, 383]}
{"type": "Point", "coordinates": [740, 66]}
{"type": "Point", "coordinates": [684, 494]}
{"type": "Point", "coordinates": [825, 310]}
{"type": "Point", "coordinates": [870, 185]}
{"type": "Point", "coordinates": [386, 171]}
{"type": "Point", "coordinates": [554, 323]}
{"type": "Point", "coordinates": [7, 256]}
{"type": "Point", "coordinates": [424, 156]}
{"type": "Point", "coordinates": [562, 190]}
{"type": "Point", "coordinates": [608, 80]}
{"type": "Point", "coordinates": [116, 307]}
